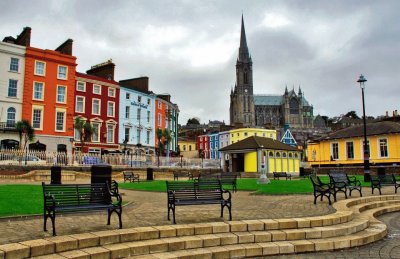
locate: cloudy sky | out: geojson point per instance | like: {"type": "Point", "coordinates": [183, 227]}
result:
{"type": "Point", "coordinates": [189, 48]}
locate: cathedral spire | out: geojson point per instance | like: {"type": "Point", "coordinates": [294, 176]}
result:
{"type": "Point", "coordinates": [243, 50]}
{"type": "Point", "coordinates": [300, 90]}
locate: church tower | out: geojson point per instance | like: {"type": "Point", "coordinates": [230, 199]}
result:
{"type": "Point", "coordinates": [242, 100]}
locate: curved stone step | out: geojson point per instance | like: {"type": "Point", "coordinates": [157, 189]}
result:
{"type": "Point", "coordinates": [352, 218]}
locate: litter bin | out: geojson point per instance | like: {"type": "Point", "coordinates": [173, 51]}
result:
{"type": "Point", "coordinates": [381, 171]}
{"type": "Point", "coordinates": [55, 175]}
{"type": "Point", "coordinates": [302, 171]}
{"type": "Point", "coordinates": [100, 173]}
{"type": "Point", "coordinates": [150, 174]}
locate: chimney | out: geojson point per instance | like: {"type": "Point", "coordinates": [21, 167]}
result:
{"type": "Point", "coordinates": [141, 84]}
{"type": "Point", "coordinates": [395, 112]}
{"type": "Point", "coordinates": [104, 70]}
{"type": "Point", "coordinates": [387, 114]}
{"type": "Point", "coordinates": [66, 47]}
{"type": "Point", "coordinates": [23, 39]}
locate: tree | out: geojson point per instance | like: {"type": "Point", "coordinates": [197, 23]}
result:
{"type": "Point", "coordinates": [352, 114]}
{"type": "Point", "coordinates": [26, 133]}
{"type": "Point", "coordinates": [193, 121]}
{"type": "Point", "coordinates": [85, 130]}
{"type": "Point", "coordinates": [163, 137]}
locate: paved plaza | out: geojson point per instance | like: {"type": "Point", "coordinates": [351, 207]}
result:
{"type": "Point", "coordinates": [150, 209]}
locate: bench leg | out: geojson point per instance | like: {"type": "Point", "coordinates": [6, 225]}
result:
{"type": "Point", "coordinates": [119, 213]}
{"type": "Point", "coordinates": [229, 206]}
{"type": "Point", "coordinates": [171, 207]}
{"type": "Point", "coordinates": [52, 216]}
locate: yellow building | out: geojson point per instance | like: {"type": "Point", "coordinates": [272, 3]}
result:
{"type": "Point", "coordinates": [242, 133]}
{"type": "Point", "coordinates": [345, 146]}
{"type": "Point", "coordinates": [253, 154]}
{"type": "Point", "coordinates": [188, 148]}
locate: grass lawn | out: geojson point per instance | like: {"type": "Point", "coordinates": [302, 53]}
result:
{"type": "Point", "coordinates": [17, 199]}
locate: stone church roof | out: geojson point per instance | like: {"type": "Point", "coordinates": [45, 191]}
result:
{"type": "Point", "coordinates": [273, 100]}
{"type": "Point", "coordinates": [255, 142]}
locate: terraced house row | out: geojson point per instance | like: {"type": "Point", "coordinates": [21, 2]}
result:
{"type": "Point", "coordinates": [43, 87]}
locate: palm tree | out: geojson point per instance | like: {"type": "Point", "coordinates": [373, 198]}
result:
{"type": "Point", "coordinates": [85, 130]}
{"type": "Point", "coordinates": [164, 137]}
{"type": "Point", "coordinates": [26, 133]}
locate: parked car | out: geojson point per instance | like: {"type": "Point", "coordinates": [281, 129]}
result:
{"type": "Point", "coordinates": [27, 159]}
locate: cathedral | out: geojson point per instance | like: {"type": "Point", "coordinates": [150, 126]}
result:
{"type": "Point", "coordinates": [272, 111]}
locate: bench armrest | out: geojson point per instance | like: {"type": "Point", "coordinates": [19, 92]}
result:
{"type": "Point", "coordinates": [117, 197]}
{"type": "Point", "coordinates": [229, 195]}
{"type": "Point", "coordinates": [53, 200]}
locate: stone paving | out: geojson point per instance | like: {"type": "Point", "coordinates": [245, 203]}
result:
{"type": "Point", "coordinates": [150, 209]}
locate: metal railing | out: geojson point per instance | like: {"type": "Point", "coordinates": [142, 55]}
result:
{"type": "Point", "coordinates": [20, 157]}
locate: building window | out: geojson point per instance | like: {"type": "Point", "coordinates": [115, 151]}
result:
{"type": "Point", "coordinates": [97, 89]}
{"type": "Point", "coordinates": [96, 107]}
{"type": "Point", "coordinates": [335, 151]}
{"type": "Point", "coordinates": [40, 68]}
{"type": "Point", "coordinates": [61, 90]}
{"type": "Point", "coordinates": [127, 112]}
{"type": "Point", "coordinates": [62, 72]}
{"type": "Point", "coordinates": [80, 104]}
{"type": "Point", "coordinates": [138, 136]}
{"type": "Point", "coordinates": [245, 134]}
{"type": "Point", "coordinates": [111, 92]}
{"type": "Point", "coordinates": [159, 119]}
{"type": "Point", "coordinates": [138, 114]}
{"type": "Point", "coordinates": [147, 137]}
{"type": "Point", "coordinates": [81, 86]}
{"type": "Point", "coordinates": [139, 99]}
{"type": "Point", "coordinates": [190, 147]}
{"type": "Point", "coordinates": [10, 117]}
{"type": "Point", "coordinates": [127, 96]}
{"type": "Point", "coordinates": [255, 134]}
{"type": "Point", "coordinates": [110, 133]}
{"type": "Point", "coordinates": [127, 134]}
{"type": "Point", "coordinates": [148, 101]}
{"type": "Point", "coordinates": [38, 89]}
{"type": "Point", "coordinates": [110, 109]}
{"type": "Point", "coordinates": [148, 116]}
{"type": "Point", "coordinates": [96, 132]}
{"type": "Point", "coordinates": [12, 87]}
{"type": "Point", "coordinates": [37, 119]}
{"type": "Point", "coordinates": [383, 148]}
{"type": "Point", "coordinates": [350, 150]}
{"type": "Point", "coordinates": [159, 105]}
{"type": "Point", "coordinates": [14, 64]}
{"type": "Point", "coordinates": [60, 120]}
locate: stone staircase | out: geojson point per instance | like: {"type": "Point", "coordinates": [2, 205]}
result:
{"type": "Point", "coordinates": [353, 224]}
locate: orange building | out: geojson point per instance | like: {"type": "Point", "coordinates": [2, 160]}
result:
{"type": "Point", "coordinates": [160, 116]}
{"type": "Point", "coordinates": [48, 99]}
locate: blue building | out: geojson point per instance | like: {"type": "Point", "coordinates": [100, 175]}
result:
{"type": "Point", "coordinates": [137, 130]}
{"type": "Point", "coordinates": [214, 145]}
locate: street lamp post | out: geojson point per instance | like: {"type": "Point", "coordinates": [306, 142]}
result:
{"type": "Point", "coordinates": [367, 176]}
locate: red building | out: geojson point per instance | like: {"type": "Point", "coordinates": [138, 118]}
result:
{"type": "Point", "coordinates": [48, 98]}
{"type": "Point", "coordinates": [97, 101]}
{"type": "Point", "coordinates": [203, 145]}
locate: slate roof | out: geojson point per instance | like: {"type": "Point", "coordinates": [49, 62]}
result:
{"type": "Point", "coordinates": [273, 100]}
{"type": "Point", "coordinates": [255, 142]}
{"type": "Point", "coordinates": [376, 128]}
{"type": "Point", "coordinates": [267, 100]}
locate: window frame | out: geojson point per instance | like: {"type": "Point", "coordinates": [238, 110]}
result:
{"type": "Point", "coordinates": [34, 90]}
{"type": "Point", "coordinates": [127, 111]}
{"type": "Point", "coordinates": [352, 150]}
{"type": "Point", "coordinates": [64, 112]}
{"type": "Point", "coordinates": [38, 108]}
{"type": "Point", "coordinates": [129, 134]}
{"type": "Point", "coordinates": [333, 151]}
{"type": "Point", "coordinates": [95, 87]}
{"type": "Point", "coordinates": [108, 109]}
{"type": "Point", "coordinates": [83, 103]}
{"type": "Point", "coordinates": [113, 90]}
{"type": "Point", "coordinates": [110, 132]}
{"type": "Point", "coordinates": [65, 94]}
{"type": "Point", "coordinates": [98, 125]}
{"type": "Point", "coordinates": [11, 65]}
{"type": "Point", "coordinates": [77, 86]}
{"type": "Point", "coordinates": [58, 72]}
{"type": "Point", "coordinates": [36, 70]}
{"type": "Point", "coordinates": [386, 147]}
{"type": "Point", "coordinates": [14, 113]}
{"type": "Point", "coordinates": [16, 88]}
{"type": "Point", "coordinates": [99, 101]}
{"type": "Point", "coordinates": [127, 96]}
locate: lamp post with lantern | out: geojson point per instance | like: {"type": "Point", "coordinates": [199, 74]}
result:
{"type": "Point", "coordinates": [367, 177]}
